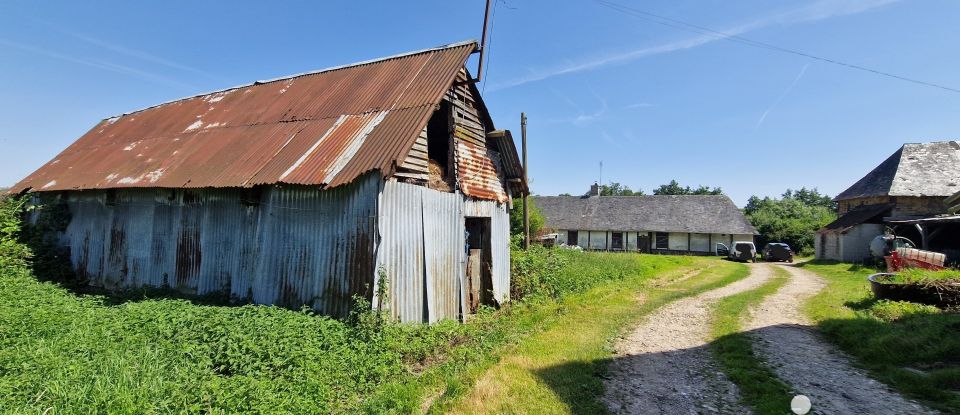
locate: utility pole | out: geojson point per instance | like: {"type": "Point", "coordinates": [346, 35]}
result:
{"type": "Point", "coordinates": [483, 41]}
{"type": "Point", "coordinates": [526, 212]}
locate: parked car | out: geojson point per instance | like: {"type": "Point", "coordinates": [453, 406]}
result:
{"type": "Point", "coordinates": [777, 251]}
{"type": "Point", "coordinates": [743, 251]}
{"type": "Point", "coordinates": [722, 250]}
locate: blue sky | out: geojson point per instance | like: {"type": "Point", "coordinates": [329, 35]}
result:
{"type": "Point", "coordinates": [652, 102]}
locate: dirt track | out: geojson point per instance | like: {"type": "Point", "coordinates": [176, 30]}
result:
{"type": "Point", "coordinates": [664, 366]}
{"type": "Point", "coordinates": [785, 340]}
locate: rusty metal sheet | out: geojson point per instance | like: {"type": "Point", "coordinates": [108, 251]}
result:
{"type": "Point", "coordinates": [321, 128]}
{"type": "Point", "coordinates": [298, 245]}
{"type": "Point", "coordinates": [478, 173]}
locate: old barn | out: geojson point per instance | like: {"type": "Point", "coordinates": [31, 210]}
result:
{"type": "Point", "coordinates": [303, 190]}
{"type": "Point", "coordinates": [906, 193]}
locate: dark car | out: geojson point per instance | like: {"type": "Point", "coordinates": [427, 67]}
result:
{"type": "Point", "coordinates": [742, 251]}
{"type": "Point", "coordinates": [775, 251]}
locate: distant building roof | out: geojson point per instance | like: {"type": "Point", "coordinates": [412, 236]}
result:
{"type": "Point", "coordinates": [857, 216]}
{"type": "Point", "coordinates": [690, 213]}
{"type": "Point", "coordinates": [321, 128]}
{"type": "Point", "coordinates": [924, 169]}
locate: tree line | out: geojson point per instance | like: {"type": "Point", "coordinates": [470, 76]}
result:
{"type": "Point", "coordinates": [793, 218]}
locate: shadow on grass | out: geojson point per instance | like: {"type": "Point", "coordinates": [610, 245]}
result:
{"type": "Point", "coordinates": [663, 382]}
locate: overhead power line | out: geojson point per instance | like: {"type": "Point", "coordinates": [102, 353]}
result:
{"type": "Point", "coordinates": [690, 27]}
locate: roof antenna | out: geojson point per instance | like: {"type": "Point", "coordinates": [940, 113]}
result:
{"type": "Point", "coordinates": [483, 41]}
{"type": "Point", "coordinates": [601, 171]}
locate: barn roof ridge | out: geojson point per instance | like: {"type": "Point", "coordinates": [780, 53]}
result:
{"type": "Point", "coordinates": [301, 74]}
{"type": "Point", "coordinates": [324, 127]}
{"type": "Point", "coordinates": [914, 169]}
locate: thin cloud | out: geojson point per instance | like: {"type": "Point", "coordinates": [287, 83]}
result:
{"type": "Point", "coordinates": [780, 98]}
{"type": "Point", "coordinates": [821, 10]}
{"type": "Point", "coordinates": [108, 66]}
{"type": "Point", "coordinates": [134, 53]}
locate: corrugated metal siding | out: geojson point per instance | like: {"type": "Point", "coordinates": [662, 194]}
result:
{"type": "Point", "coordinates": [421, 250]}
{"type": "Point", "coordinates": [298, 245]}
{"type": "Point", "coordinates": [400, 253]}
{"type": "Point", "coordinates": [443, 231]}
{"type": "Point", "coordinates": [254, 134]}
{"type": "Point", "coordinates": [500, 236]}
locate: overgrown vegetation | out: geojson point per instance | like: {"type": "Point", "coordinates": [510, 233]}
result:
{"type": "Point", "coordinates": [534, 215]}
{"type": "Point", "coordinates": [910, 346]}
{"type": "Point", "coordinates": [794, 218]}
{"type": "Point", "coordinates": [759, 386]}
{"type": "Point", "coordinates": [64, 352]}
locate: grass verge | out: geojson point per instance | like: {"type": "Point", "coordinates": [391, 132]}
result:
{"type": "Point", "coordinates": [759, 386]}
{"type": "Point", "coordinates": [560, 369]}
{"type": "Point", "coordinates": [72, 353]}
{"type": "Point", "coordinates": [913, 347]}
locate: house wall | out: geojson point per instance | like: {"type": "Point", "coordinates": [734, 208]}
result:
{"type": "Point", "coordinates": [903, 205]}
{"type": "Point", "coordinates": [422, 250]}
{"type": "Point", "coordinates": [678, 241]}
{"type": "Point", "coordinates": [598, 240]}
{"type": "Point", "coordinates": [700, 242]}
{"type": "Point", "coordinates": [852, 245]}
{"type": "Point", "coordinates": [292, 245]}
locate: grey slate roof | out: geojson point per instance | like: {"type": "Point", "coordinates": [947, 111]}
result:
{"type": "Point", "coordinates": [693, 213]}
{"type": "Point", "coordinates": [916, 169]}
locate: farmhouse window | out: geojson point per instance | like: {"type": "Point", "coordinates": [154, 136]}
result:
{"type": "Point", "coordinates": [616, 239]}
{"type": "Point", "coordinates": [662, 240]}
{"type": "Point", "coordinates": [573, 238]}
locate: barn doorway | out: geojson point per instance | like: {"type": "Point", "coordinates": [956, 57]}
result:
{"type": "Point", "coordinates": [479, 269]}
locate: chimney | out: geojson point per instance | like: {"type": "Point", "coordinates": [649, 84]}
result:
{"type": "Point", "coordinates": [594, 190]}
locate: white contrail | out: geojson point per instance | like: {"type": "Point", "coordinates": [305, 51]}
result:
{"type": "Point", "coordinates": [820, 10]}
{"type": "Point", "coordinates": [780, 98]}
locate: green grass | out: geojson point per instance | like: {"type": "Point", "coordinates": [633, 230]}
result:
{"type": "Point", "coordinates": [560, 369]}
{"type": "Point", "coordinates": [759, 386]}
{"type": "Point", "coordinates": [916, 275]}
{"type": "Point", "coordinates": [912, 347]}
{"type": "Point", "coordinates": [69, 353]}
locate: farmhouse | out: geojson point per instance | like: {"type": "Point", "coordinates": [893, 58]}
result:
{"type": "Point", "coordinates": [907, 193]}
{"type": "Point", "coordinates": [690, 224]}
{"type": "Point", "coordinates": [303, 190]}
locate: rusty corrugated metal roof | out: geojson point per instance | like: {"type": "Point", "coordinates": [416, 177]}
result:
{"type": "Point", "coordinates": [320, 128]}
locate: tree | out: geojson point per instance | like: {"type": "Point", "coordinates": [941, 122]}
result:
{"type": "Point", "coordinates": [516, 218]}
{"type": "Point", "coordinates": [674, 188]}
{"type": "Point", "coordinates": [793, 219]}
{"type": "Point", "coordinates": [617, 189]}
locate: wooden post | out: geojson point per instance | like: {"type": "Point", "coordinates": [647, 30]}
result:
{"type": "Point", "coordinates": [526, 212]}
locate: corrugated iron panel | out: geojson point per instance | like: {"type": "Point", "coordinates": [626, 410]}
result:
{"type": "Point", "coordinates": [295, 246]}
{"type": "Point", "coordinates": [477, 172]}
{"type": "Point", "coordinates": [443, 243]}
{"type": "Point", "coordinates": [421, 251]}
{"type": "Point", "coordinates": [400, 253]}
{"type": "Point", "coordinates": [253, 134]}
{"type": "Point", "coordinates": [500, 235]}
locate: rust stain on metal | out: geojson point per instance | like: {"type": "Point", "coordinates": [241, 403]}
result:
{"type": "Point", "coordinates": [477, 172]}
{"type": "Point", "coordinates": [254, 134]}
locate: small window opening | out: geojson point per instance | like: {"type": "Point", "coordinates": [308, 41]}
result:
{"type": "Point", "coordinates": [662, 240]}
{"type": "Point", "coordinates": [438, 149]}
